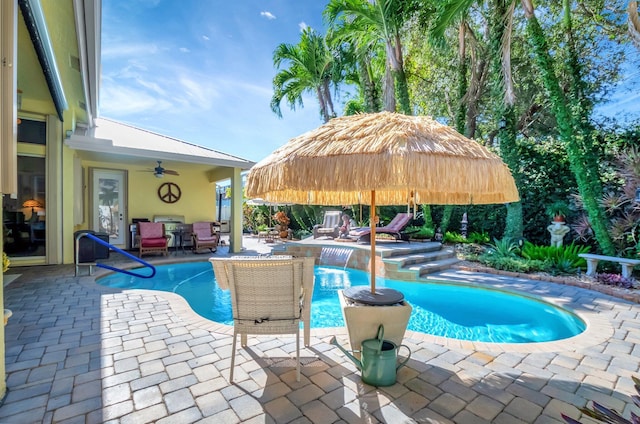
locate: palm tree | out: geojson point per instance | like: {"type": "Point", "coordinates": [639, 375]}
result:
{"type": "Point", "coordinates": [382, 20]}
{"type": "Point", "coordinates": [359, 58]}
{"type": "Point", "coordinates": [311, 67]}
{"type": "Point", "coordinates": [501, 16]}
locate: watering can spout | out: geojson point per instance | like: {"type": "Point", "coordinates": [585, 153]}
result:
{"type": "Point", "coordinates": [355, 360]}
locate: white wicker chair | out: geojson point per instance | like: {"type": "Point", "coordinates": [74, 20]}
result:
{"type": "Point", "coordinates": [268, 296]}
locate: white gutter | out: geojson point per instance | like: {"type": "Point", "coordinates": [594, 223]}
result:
{"type": "Point", "coordinates": [88, 16]}
{"type": "Point", "coordinates": [37, 27]}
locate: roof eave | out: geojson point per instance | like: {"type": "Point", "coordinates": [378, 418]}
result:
{"type": "Point", "coordinates": [98, 145]}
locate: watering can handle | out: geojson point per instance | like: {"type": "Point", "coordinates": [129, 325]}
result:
{"type": "Point", "coordinates": [380, 337]}
{"type": "Point", "coordinates": [405, 360]}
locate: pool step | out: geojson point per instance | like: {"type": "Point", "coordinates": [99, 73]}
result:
{"type": "Point", "coordinates": [413, 266]}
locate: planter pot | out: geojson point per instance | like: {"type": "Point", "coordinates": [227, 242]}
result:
{"type": "Point", "coordinates": [362, 321]}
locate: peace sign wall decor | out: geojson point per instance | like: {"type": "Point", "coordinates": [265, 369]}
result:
{"type": "Point", "coordinates": [169, 192]}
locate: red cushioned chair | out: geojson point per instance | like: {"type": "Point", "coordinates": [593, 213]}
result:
{"type": "Point", "coordinates": [152, 239]}
{"type": "Point", "coordinates": [204, 237]}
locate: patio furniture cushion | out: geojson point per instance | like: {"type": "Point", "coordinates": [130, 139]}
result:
{"type": "Point", "coordinates": [330, 226]}
{"type": "Point", "coordinates": [152, 239]}
{"type": "Point", "coordinates": [394, 228]}
{"type": "Point", "coordinates": [204, 237]}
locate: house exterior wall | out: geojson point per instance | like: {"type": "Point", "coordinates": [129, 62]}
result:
{"type": "Point", "coordinates": [197, 201]}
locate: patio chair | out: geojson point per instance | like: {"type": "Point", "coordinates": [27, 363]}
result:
{"type": "Point", "coordinates": [268, 296]}
{"type": "Point", "coordinates": [204, 237]}
{"type": "Point", "coordinates": [152, 238]}
{"type": "Point", "coordinates": [330, 226]}
{"type": "Point", "coordinates": [394, 228]}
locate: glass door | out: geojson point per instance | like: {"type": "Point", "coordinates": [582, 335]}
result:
{"type": "Point", "coordinates": [108, 207]}
{"type": "Point", "coordinates": [24, 217]}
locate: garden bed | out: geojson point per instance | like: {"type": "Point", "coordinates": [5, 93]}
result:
{"type": "Point", "coordinates": [582, 281]}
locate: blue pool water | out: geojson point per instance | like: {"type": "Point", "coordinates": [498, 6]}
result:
{"type": "Point", "coordinates": [440, 309]}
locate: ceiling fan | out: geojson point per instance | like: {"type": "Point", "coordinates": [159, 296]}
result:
{"type": "Point", "coordinates": [159, 171]}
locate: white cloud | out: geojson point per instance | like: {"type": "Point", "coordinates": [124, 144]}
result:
{"type": "Point", "coordinates": [125, 49]}
{"type": "Point", "coordinates": [117, 100]}
{"type": "Point", "coordinates": [184, 50]}
{"type": "Point", "coordinates": [267, 15]}
{"type": "Point", "coordinates": [303, 25]}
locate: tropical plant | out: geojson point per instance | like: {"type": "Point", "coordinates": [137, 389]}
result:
{"type": "Point", "coordinates": [420, 232]}
{"type": "Point", "coordinates": [453, 237]}
{"type": "Point", "coordinates": [479, 237]}
{"type": "Point", "coordinates": [513, 264]}
{"type": "Point", "coordinates": [281, 218]}
{"type": "Point", "coordinates": [563, 259]}
{"type": "Point", "coordinates": [310, 65]}
{"type": "Point", "coordinates": [504, 247]}
{"type": "Point", "coordinates": [607, 415]}
{"type": "Point", "coordinates": [559, 209]}
{"type": "Point", "coordinates": [380, 20]}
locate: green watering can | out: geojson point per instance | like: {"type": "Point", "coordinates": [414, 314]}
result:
{"type": "Point", "coordinates": [379, 362]}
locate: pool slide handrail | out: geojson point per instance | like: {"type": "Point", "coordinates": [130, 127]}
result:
{"type": "Point", "coordinates": [115, 249]}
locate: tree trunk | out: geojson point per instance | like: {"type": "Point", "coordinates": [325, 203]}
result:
{"type": "Point", "coordinates": [323, 104]}
{"type": "Point", "coordinates": [514, 225]}
{"type": "Point", "coordinates": [389, 89]}
{"type": "Point", "coordinates": [566, 128]}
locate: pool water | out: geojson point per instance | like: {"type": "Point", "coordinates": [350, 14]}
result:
{"type": "Point", "coordinates": [441, 309]}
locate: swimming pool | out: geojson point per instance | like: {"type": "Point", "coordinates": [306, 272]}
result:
{"type": "Point", "coordinates": [441, 309]}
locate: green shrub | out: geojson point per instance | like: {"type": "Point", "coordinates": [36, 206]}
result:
{"type": "Point", "coordinates": [420, 232]}
{"type": "Point", "coordinates": [504, 247]}
{"type": "Point", "coordinates": [512, 263]}
{"type": "Point", "coordinates": [563, 259]}
{"type": "Point", "coordinates": [453, 237]}
{"type": "Point", "coordinates": [479, 237]}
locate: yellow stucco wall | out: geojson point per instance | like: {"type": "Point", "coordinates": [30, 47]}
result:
{"type": "Point", "coordinates": [197, 201]}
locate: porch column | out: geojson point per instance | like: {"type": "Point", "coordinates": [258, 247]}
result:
{"type": "Point", "coordinates": [235, 237]}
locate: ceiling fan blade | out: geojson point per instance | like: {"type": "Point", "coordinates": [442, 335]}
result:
{"type": "Point", "coordinates": [170, 172]}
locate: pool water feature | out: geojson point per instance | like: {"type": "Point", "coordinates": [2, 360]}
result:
{"type": "Point", "coordinates": [440, 309]}
{"type": "Point", "coordinates": [336, 256]}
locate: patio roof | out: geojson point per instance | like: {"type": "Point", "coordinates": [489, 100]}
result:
{"type": "Point", "coordinates": [111, 139]}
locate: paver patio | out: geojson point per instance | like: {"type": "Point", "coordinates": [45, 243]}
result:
{"type": "Point", "coordinates": [78, 352]}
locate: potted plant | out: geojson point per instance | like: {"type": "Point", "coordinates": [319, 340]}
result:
{"type": "Point", "coordinates": [558, 211]}
{"type": "Point", "coordinates": [283, 220]}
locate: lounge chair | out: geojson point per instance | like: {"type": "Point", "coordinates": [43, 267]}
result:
{"type": "Point", "coordinates": [330, 226]}
{"type": "Point", "coordinates": [204, 237]}
{"type": "Point", "coordinates": [268, 296]}
{"type": "Point", "coordinates": [152, 238]}
{"type": "Point", "coordinates": [394, 228]}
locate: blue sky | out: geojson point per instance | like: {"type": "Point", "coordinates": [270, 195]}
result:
{"type": "Point", "coordinates": [202, 70]}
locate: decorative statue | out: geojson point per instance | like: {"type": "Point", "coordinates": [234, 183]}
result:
{"type": "Point", "coordinates": [558, 231]}
{"type": "Point", "coordinates": [463, 225]}
{"type": "Point", "coordinates": [344, 229]}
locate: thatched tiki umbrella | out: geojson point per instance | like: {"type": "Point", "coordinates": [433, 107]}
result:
{"type": "Point", "coordinates": [382, 159]}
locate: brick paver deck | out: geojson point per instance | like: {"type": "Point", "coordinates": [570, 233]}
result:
{"type": "Point", "coordinates": [77, 352]}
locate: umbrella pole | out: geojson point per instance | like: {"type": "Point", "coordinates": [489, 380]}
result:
{"type": "Point", "coordinates": [373, 241]}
